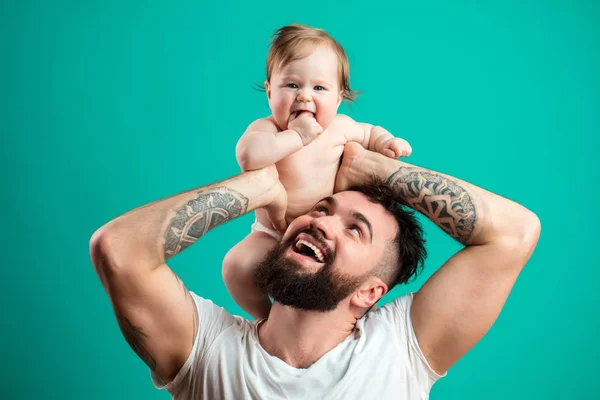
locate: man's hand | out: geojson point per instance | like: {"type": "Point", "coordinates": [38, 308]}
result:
{"type": "Point", "coordinates": [394, 148]}
{"type": "Point", "coordinates": [305, 124]}
{"type": "Point", "coordinates": [358, 165]}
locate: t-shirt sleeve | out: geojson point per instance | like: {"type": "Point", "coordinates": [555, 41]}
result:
{"type": "Point", "coordinates": [212, 321]}
{"type": "Point", "coordinates": [397, 315]}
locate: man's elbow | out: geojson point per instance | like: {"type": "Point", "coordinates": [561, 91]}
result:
{"type": "Point", "coordinates": [100, 244]}
{"type": "Point", "coordinates": [524, 237]}
{"type": "Point", "coordinates": [99, 250]}
{"type": "Point", "coordinates": [531, 231]}
{"type": "Point", "coordinates": [103, 250]}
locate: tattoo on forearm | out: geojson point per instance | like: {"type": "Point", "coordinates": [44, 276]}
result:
{"type": "Point", "coordinates": [209, 209]}
{"type": "Point", "coordinates": [136, 337]}
{"type": "Point", "coordinates": [440, 199]}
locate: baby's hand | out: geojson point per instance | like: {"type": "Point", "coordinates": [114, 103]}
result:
{"type": "Point", "coordinates": [306, 125]}
{"type": "Point", "coordinates": [394, 148]}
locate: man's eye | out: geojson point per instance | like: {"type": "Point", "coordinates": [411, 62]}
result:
{"type": "Point", "coordinates": [292, 86]}
{"type": "Point", "coordinates": [321, 210]}
{"type": "Point", "coordinates": [318, 87]}
{"type": "Point", "coordinates": [356, 230]}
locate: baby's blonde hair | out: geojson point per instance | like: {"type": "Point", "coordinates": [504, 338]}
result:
{"type": "Point", "coordinates": [296, 41]}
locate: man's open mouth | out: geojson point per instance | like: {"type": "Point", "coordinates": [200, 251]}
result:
{"type": "Point", "coordinates": [309, 250]}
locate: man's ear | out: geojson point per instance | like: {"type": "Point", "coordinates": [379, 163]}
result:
{"type": "Point", "coordinates": [369, 292]}
{"type": "Point", "coordinates": [268, 90]}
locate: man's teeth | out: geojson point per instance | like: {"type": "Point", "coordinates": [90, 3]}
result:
{"type": "Point", "coordinates": [314, 248]}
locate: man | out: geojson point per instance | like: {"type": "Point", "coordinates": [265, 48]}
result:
{"type": "Point", "coordinates": [308, 349]}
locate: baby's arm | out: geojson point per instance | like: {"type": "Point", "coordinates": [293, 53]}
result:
{"type": "Point", "coordinates": [262, 145]}
{"type": "Point", "coordinates": [377, 138]}
{"type": "Point", "coordinates": [380, 140]}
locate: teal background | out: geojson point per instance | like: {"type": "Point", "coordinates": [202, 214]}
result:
{"type": "Point", "coordinates": [105, 106]}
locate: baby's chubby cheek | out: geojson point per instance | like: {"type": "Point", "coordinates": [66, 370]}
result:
{"type": "Point", "coordinates": [324, 119]}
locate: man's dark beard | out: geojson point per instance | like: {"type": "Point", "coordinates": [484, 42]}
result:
{"type": "Point", "coordinates": [284, 281]}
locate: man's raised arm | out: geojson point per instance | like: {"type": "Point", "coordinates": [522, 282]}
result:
{"type": "Point", "coordinates": [154, 310]}
{"type": "Point", "coordinates": [461, 301]}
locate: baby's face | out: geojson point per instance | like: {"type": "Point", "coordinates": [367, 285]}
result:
{"type": "Point", "coordinates": [308, 84]}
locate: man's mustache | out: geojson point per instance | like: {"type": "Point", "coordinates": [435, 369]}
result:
{"type": "Point", "coordinates": [319, 238]}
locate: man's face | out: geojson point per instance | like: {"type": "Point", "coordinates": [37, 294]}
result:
{"type": "Point", "coordinates": [327, 255]}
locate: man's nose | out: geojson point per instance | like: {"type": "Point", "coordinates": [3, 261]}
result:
{"type": "Point", "coordinates": [326, 225]}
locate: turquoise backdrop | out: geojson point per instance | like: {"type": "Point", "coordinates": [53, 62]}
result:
{"type": "Point", "coordinates": [105, 106]}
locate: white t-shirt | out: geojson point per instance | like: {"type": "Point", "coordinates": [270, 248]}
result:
{"type": "Point", "coordinates": [381, 360]}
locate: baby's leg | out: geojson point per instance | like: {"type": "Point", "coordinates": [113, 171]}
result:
{"type": "Point", "coordinates": [238, 268]}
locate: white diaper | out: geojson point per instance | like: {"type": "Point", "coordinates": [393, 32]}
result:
{"type": "Point", "coordinates": [258, 227]}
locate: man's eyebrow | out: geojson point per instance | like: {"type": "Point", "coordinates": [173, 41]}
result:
{"type": "Point", "coordinates": [331, 201]}
{"type": "Point", "coordinates": [359, 216]}
{"type": "Point", "coordinates": [364, 220]}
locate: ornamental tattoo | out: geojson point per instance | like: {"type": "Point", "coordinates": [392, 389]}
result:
{"type": "Point", "coordinates": [209, 209]}
{"type": "Point", "coordinates": [440, 199]}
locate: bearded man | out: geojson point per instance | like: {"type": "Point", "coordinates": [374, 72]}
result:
{"type": "Point", "coordinates": [320, 340]}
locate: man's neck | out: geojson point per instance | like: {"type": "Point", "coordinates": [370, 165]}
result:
{"type": "Point", "coordinates": [300, 338]}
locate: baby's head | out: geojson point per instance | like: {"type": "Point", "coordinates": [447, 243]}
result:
{"type": "Point", "coordinates": [308, 70]}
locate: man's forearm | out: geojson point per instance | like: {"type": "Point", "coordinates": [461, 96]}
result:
{"type": "Point", "coordinates": [446, 201]}
{"type": "Point", "coordinates": [464, 211]}
{"type": "Point", "coordinates": [149, 235]}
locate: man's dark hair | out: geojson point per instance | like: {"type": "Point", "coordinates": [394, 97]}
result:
{"type": "Point", "coordinates": [406, 258]}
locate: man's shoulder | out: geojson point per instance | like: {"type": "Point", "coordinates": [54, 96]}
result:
{"type": "Point", "coordinates": [209, 311]}
{"type": "Point", "coordinates": [401, 302]}
{"type": "Point", "coordinates": [394, 312]}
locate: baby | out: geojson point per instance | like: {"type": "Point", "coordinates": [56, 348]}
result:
{"type": "Point", "coordinates": [307, 78]}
